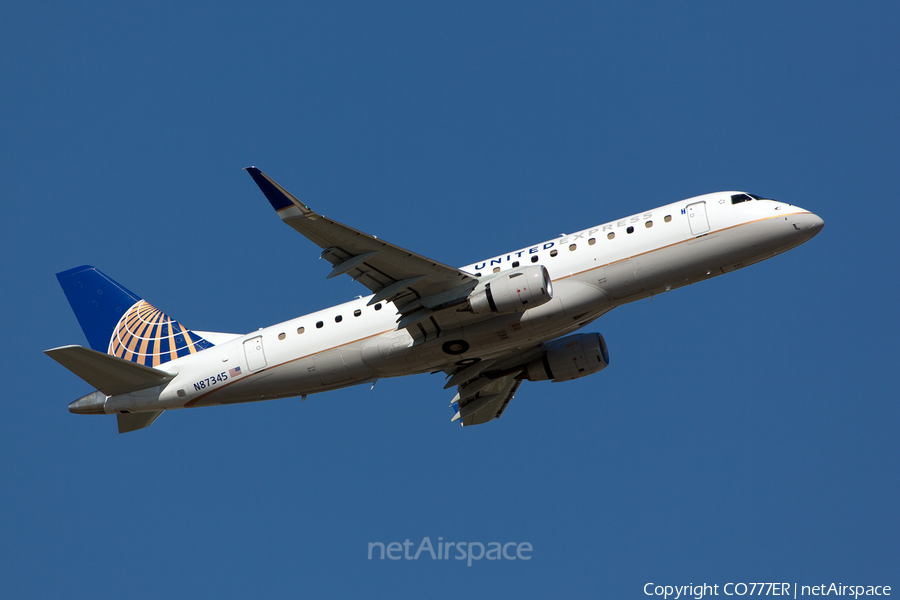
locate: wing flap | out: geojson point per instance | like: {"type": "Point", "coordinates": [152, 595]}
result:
{"type": "Point", "coordinates": [109, 374]}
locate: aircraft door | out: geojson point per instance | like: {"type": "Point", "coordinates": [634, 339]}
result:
{"type": "Point", "coordinates": [253, 350]}
{"type": "Point", "coordinates": [696, 213]}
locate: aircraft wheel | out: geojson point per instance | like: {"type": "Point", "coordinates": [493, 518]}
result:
{"type": "Point", "coordinates": [455, 346]}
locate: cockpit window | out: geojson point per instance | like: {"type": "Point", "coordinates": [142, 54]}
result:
{"type": "Point", "coordinates": [738, 198]}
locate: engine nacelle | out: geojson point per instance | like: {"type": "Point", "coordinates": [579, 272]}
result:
{"type": "Point", "coordinates": [512, 291]}
{"type": "Point", "coordinates": [570, 358]}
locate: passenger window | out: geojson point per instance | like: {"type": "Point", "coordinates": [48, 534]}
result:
{"type": "Point", "coordinates": [319, 325]}
{"type": "Point", "coordinates": [534, 258]}
{"type": "Point", "coordinates": [378, 306]}
{"type": "Point", "coordinates": [611, 235]}
{"type": "Point", "coordinates": [572, 247]}
{"type": "Point", "coordinates": [553, 252]}
{"type": "Point", "coordinates": [648, 224]}
{"type": "Point", "coordinates": [630, 229]}
{"type": "Point", "coordinates": [515, 264]}
{"type": "Point", "coordinates": [338, 319]}
{"type": "Point", "coordinates": [357, 312]}
{"type": "Point", "coordinates": [668, 218]}
{"type": "Point", "coordinates": [496, 269]}
{"type": "Point", "coordinates": [301, 330]}
{"type": "Point", "coordinates": [592, 241]}
{"type": "Point", "coordinates": [477, 274]}
{"type": "Point", "coordinates": [281, 336]}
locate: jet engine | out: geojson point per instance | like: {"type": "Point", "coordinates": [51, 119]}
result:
{"type": "Point", "coordinates": [569, 358]}
{"type": "Point", "coordinates": [512, 291]}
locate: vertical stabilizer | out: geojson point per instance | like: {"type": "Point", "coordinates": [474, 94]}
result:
{"type": "Point", "coordinates": [118, 322]}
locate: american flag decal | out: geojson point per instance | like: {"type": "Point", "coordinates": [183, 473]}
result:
{"type": "Point", "coordinates": [234, 372]}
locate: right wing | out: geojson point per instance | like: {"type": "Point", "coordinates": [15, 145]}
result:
{"type": "Point", "coordinates": [488, 404]}
{"type": "Point", "coordinates": [485, 388]}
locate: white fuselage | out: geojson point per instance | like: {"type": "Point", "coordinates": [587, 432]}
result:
{"type": "Point", "coordinates": [593, 271]}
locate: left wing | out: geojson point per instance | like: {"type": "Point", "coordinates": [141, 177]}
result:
{"type": "Point", "coordinates": [417, 285]}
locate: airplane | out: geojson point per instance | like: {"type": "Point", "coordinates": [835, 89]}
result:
{"type": "Point", "coordinates": [488, 326]}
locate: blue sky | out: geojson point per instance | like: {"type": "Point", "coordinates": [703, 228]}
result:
{"type": "Point", "coordinates": [746, 429]}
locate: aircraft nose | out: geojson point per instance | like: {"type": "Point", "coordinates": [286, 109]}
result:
{"type": "Point", "coordinates": [817, 225]}
{"type": "Point", "coordinates": [92, 404]}
{"type": "Point", "coordinates": [806, 224]}
{"type": "Point", "coordinates": [813, 224]}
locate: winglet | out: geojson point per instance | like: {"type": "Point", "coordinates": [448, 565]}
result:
{"type": "Point", "coordinates": [277, 196]}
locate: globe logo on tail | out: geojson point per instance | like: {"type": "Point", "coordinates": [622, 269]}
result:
{"type": "Point", "coordinates": [147, 336]}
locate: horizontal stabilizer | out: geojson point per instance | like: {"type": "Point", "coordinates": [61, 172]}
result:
{"type": "Point", "coordinates": [109, 374]}
{"type": "Point", "coordinates": [135, 421]}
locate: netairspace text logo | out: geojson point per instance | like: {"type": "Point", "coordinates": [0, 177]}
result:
{"type": "Point", "coordinates": [467, 551]}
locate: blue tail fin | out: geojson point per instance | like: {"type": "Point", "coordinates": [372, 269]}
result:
{"type": "Point", "coordinates": [118, 322]}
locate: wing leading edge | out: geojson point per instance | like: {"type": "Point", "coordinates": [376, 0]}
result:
{"type": "Point", "coordinates": [417, 285]}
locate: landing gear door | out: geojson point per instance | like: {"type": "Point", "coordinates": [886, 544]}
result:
{"type": "Point", "coordinates": [697, 218]}
{"type": "Point", "coordinates": [253, 350]}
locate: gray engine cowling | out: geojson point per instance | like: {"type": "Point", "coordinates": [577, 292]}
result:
{"type": "Point", "coordinates": [512, 291]}
{"type": "Point", "coordinates": [570, 358]}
